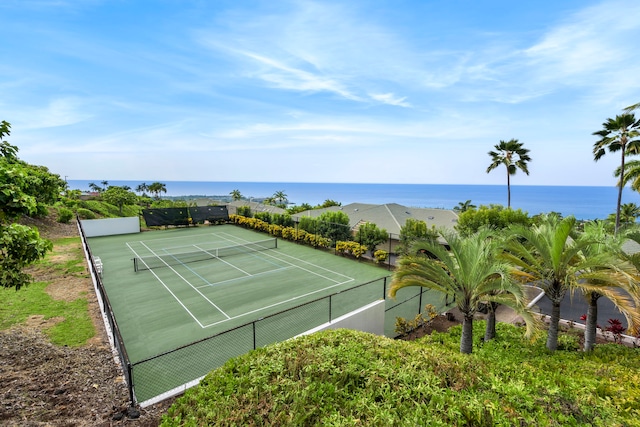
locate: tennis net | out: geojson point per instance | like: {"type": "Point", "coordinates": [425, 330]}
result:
{"type": "Point", "coordinates": [167, 260]}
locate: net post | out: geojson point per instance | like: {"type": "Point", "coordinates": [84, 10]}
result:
{"type": "Point", "coordinates": [276, 247]}
{"type": "Point", "coordinates": [135, 264]}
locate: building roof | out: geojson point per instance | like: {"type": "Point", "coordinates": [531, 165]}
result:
{"type": "Point", "coordinates": [390, 217]}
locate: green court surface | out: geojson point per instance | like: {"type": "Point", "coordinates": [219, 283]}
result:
{"type": "Point", "coordinates": [180, 302]}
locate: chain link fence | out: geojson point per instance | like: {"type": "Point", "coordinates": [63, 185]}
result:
{"type": "Point", "coordinates": [170, 373]}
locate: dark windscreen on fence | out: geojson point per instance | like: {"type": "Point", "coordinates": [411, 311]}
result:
{"type": "Point", "coordinates": [166, 216]}
{"type": "Point", "coordinates": [201, 214]}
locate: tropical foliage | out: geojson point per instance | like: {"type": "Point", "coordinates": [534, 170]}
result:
{"type": "Point", "coordinates": [621, 290]}
{"type": "Point", "coordinates": [464, 206]}
{"type": "Point", "coordinates": [494, 216]}
{"type": "Point", "coordinates": [513, 156]}
{"type": "Point", "coordinates": [470, 274]}
{"type": "Point", "coordinates": [24, 190]}
{"type": "Point", "coordinates": [370, 235]}
{"type": "Point", "coordinates": [412, 231]}
{"type": "Point", "coordinates": [618, 135]}
{"type": "Point", "coordinates": [348, 378]}
{"type": "Point", "coordinates": [558, 260]}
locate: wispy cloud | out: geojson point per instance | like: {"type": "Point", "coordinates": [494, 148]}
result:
{"type": "Point", "coordinates": [391, 99]}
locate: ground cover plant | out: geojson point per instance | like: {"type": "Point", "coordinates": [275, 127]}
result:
{"type": "Point", "coordinates": [348, 378]}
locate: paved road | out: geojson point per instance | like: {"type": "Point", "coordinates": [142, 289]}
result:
{"type": "Point", "coordinates": [573, 308]}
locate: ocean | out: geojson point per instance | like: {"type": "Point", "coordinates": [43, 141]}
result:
{"type": "Point", "coordinates": [582, 202]}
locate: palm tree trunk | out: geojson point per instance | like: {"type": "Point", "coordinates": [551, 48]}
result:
{"type": "Point", "coordinates": [620, 190]}
{"type": "Point", "coordinates": [466, 341]}
{"type": "Point", "coordinates": [552, 335]}
{"type": "Point", "coordinates": [508, 189]}
{"type": "Point", "coordinates": [592, 323]}
{"type": "Point", "coordinates": [490, 331]}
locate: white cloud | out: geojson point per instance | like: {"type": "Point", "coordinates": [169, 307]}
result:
{"type": "Point", "coordinates": [391, 99]}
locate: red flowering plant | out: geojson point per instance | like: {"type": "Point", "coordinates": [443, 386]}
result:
{"type": "Point", "coordinates": [616, 329]}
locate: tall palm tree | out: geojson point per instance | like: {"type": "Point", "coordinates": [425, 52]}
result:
{"type": "Point", "coordinates": [142, 188]}
{"type": "Point", "coordinates": [468, 274]}
{"type": "Point", "coordinates": [236, 195]}
{"type": "Point", "coordinates": [511, 154]}
{"type": "Point", "coordinates": [156, 188]}
{"type": "Point", "coordinates": [618, 135]}
{"type": "Point", "coordinates": [620, 286]}
{"type": "Point", "coordinates": [552, 255]}
{"type": "Point", "coordinates": [631, 108]}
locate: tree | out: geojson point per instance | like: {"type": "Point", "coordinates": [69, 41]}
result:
{"type": "Point", "coordinates": [119, 196]}
{"type": "Point", "coordinates": [631, 108]}
{"type": "Point", "coordinates": [412, 231]}
{"type": "Point", "coordinates": [24, 190]}
{"type": "Point", "coordinates": [494, 216]}
{"type": "Point", "coordinates": [505, 154]}
{"type": "Point", "coordinates": [469, 274]}
{"type": "Point", "coordinates": [334, 226]}
{"type": "Point", "coordinates": [464, 206]}
{"type": "Point", "coordinates": [235, 195]}
{"type": "Point", "coordinates": [618, 135]}
{"type": "Point", "coordinates": [552, 255]}
{"type": "Point", "coordinates": [370, 235]}
{"type": "Point", "coordinates": [94, 187]}
{"type": "Point", "coordinates": [514, 157]}
{"type": "Point", "coordinates": [280, 197]}
{"type": "Point", "coordinates": [629, 213]}
{"type": "Point", "coordinates": [328, 203]}
{"type": "Point", "coordinates": [620, 288]}
{"type": "Point", "coordinates": [156, 188]}
{"type": "Point", "coordinates": [142, 188]}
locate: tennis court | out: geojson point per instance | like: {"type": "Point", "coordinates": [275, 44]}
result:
{"type": "Point", "coordinates": [172, 287]}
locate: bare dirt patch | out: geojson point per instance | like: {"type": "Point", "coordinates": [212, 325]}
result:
{"type": "Point", "coordinates": [42, 384]}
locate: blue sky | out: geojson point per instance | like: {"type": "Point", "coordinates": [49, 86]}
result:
{"type": "Point", "coordinates": [380, 91]}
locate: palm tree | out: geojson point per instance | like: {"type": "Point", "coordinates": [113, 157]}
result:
{"type": "Point", "coordinates": [631, 108]}
{"type": "Point", "coordinates": [620, 287]}
{"type": "Point", "coordinates": [629, 213]}
{"type": "Point", "coordinates": [236, 195]}
{"type": "Point", "coordinates": [505, 155]}
{"type": "Point", "coordinates": [105, 184]}
{"type": "Point", "coordinates": [142, 188]}
{"type": "Point", "coordinates": [464, 206]}
{"type": "Point", "coordinates": [468, 274]}
{"type": "Point", "coordinates": [156, 188]}
{"type": "Point", "coordinates": [280, 197]}
{"type": "Point", "coordinates": [553, 256]}
{"type": "Point", "coordinates": [618, 135]}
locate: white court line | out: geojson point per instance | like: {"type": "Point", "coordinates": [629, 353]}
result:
{"type": "Point", "coordinates": [265, 253]}
{"type": "Point", "coordinates": [243, 278]}
{"type": "Point", "coordinates": [276, 304]}
{"type": "Point", "coordinates": [187, 282]}
{"type": "Point", "coordinates": [167, 288]}
{"type": "Point", "coordinates": [220, 259]}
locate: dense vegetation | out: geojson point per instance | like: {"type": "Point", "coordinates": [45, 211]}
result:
{"type": "Point", "coordinates": [347, 378]}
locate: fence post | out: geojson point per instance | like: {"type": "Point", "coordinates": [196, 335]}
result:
{"type": "Point", "coordinates": [384, 288]}
{"type": "Point", "coordinates": [130, 383]}
{"type": "Point", "coordinates": [253, 325]}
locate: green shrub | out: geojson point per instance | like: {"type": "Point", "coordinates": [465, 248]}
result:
{"type": "Point", "coordinates": [65, 215]}
{"type": "Point", "coordinates": [86, 213]}
{"type": "Point", "coordinates": [350, 378]}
